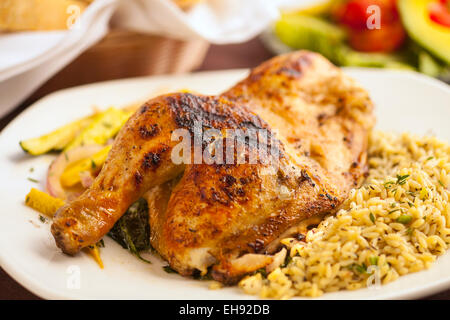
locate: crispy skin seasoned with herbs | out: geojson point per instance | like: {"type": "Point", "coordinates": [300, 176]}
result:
{"type": "Point", "coordinates": [228, 216]}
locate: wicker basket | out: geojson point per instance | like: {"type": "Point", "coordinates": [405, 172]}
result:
{"type": "Point", "coordinates": [124, 54]}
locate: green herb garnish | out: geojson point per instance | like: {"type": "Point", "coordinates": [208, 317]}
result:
{"type": "Point", "coordinates": [402, 179]}
{"type": "Point", "coordinates": [168, 269]}
{"type": "Point", "coordinates": [358, 268]}
{"type": "Point", "coordinates": [42, 218]}
{"type": "Point", "coordinates": [262, 271]}
{"type": "Point", "coordinates": [373, 260]}
{"type": "Point", "coordinates": [287, 261]}
{"type": "Point", "coordinates": [388, 184]}
{"type": "Point", "coordinates": [197, 275]}
{"type": "Point", "coordinates": [33, 180]}
{"type": "Point", "coordinates": [372, 217]}
{"type": "Point", "coordinates": [132, 231]}
{"type": "Point", "coordinates": [101, 244]}
{"type": "Point", "coordinates": [404, 219]}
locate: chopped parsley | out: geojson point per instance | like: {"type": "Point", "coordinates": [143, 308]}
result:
{"type": "Point", "coordinates": [388, 184]}
{"type": "Point", "coordinates": [401, 180]}
{"type": "Point", "coordinates": [373, 260]}
{"type": "Point", "coordinates": [287, 261]}
{"type": "Point", "coordinates": [357, 268]}
{"type": "Point", "coordinates": [168, 269]}
{"type": "Point", "coordinates": [101, 244]}
{"type": "Point", "coordinates": [197, 275]}
{"type": "Point", "coordinates": [262, 271]}
{"type": "Point", "coordinates": [404, 219]}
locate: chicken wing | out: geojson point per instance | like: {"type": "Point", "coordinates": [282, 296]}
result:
{"type": "Point", "coordinates": [228, 216]}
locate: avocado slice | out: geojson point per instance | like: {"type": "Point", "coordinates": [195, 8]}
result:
{"type": "Point", "coordinates": [318, 8]}
{"type": "Point", "coordinates": [432, 36]}
{"type": "Point", "coordinates": [316, 34]}
{"type": "Point", "coordinates": [55, 140]}
{"type": "Point", "coordinates": [428, 65]}
{"type": "Point", "coordinates": [311, 33]}
{"type": "Point", "coordinates": [353, 58]}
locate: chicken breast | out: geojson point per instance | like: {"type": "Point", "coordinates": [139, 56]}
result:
{"type": "Point", "coordinates": [228, 216]}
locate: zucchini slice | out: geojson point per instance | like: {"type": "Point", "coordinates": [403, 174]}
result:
{"type": "Point", "coordinates": [57, 139]}
{"type": "Point", "coordinates": [101, 129]}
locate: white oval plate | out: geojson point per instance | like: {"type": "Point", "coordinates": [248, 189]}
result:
{"type": "Point", "coordinates": [405, 102]}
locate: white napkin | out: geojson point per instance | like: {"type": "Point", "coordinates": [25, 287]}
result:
{"type": "Point", "coordinates": [39, 55]}
{"type": "Point", "coordinates": [28, 59]}
{"type": "Point", "coordinates": [217, 21]}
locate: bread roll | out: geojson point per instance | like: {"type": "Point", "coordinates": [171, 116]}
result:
{"type": "Point", "coordinates": [186, 4]}
{"type": "Point", "coordinates": [21, 15]}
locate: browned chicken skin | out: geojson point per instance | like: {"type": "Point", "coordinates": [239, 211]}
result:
{"type": "Point", "coordinates": [224, 214]}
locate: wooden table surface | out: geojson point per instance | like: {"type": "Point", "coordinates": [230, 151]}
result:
{"type": "Point", "coordinates": [245, 55]}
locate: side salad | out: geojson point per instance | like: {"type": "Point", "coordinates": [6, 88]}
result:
{"type": "Point", "coordinates": [402, 34]}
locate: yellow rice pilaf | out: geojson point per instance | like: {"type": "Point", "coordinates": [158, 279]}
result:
{"type": "Point", "coordinates": [398, 221]}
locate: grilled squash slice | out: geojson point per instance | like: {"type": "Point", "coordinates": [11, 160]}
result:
{"type": "Point", "coordinates": [57, 139]}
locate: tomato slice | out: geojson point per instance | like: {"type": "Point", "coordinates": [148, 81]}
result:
{"type": "Point", "coordinates": [440, 12]}
{"type": "Point", "coordinates": [390, 37]}
{"type": "Point", "coordinates": [354, 14]}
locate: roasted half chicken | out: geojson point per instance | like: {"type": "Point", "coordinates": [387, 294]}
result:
{"type": "Point", "coordinates": [230, 217]}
